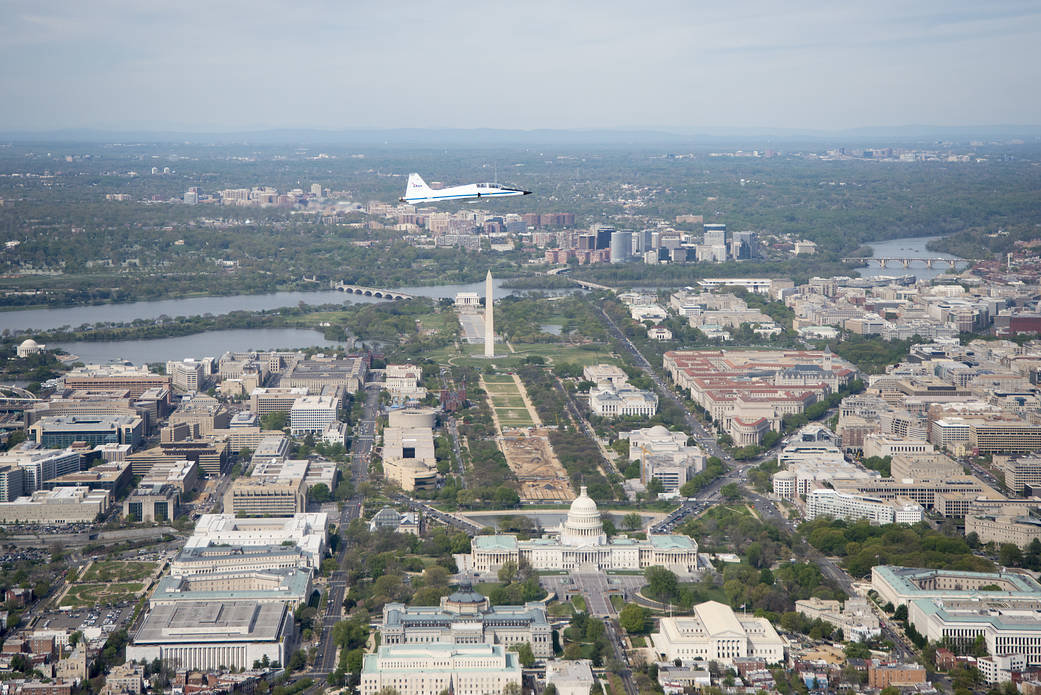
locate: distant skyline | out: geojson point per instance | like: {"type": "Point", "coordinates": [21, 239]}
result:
{"type": "Point", "coordinates": [675, 66]}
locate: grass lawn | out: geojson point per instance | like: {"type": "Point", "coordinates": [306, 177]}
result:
{"type": "Point", "coordinates": [438, 321]}
{"type": "Point", "coordinates": [91, 594]}
{"type": "Point", "coordinates": [617, 601]}
{"type": "Point", "coordinates": [514, 418]}
{"type": "Point", "coordinates": [579, 603]}
{"type": "Point", "coordinates": [615, 685]}
{"type": "Point", "coordinates": [500, 380]}
{"type": "Point", "coordinates": [117, 571]}
{"type": "Point", "coordinates": [638, 640]}
{"type": "Point", "coordinates": [554, 353]}
{"type": "Point", "coordinates": [560, 610]}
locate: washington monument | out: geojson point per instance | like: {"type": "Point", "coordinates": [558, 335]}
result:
{"type": "Point", "coordinates": [489, 320]}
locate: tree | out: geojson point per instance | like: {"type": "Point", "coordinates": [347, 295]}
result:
{"type": "Point", "coordinates": [730, 492]}
{"type": "Point", "coordinates": [275, 420]}
{"type": "Point", "coordinates": [20, 663]}
{"type": "Point", "coordinates": [525, 655]}
{"type": "Point", "coordinates": [1010, 555]}
{"type": "Point", "coordinates": [508, 572]}
{"type": "Point", "coordinates": [550, 689]}
{"type": "Point", "coordinates": [320, 493]}
{"type": "Point", "coordinates": [506, 496]}
{"type": "Point", "coordinates": [633, 618]}
{"type": "Point", "coordinates": [662, 584]}
{"type": "Point", "coordinates": [632, 521]}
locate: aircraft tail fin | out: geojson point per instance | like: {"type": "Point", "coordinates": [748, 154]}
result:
{"type": "Point", "coordinates": [416, 188]}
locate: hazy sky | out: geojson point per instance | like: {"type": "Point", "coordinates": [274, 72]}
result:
{"type": "Point", "coordinates": [231, 65]}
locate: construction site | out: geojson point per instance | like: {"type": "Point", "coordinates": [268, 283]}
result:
{"type": "Point", "coordinates": [542, 477]}
{"type": "Point", "coordinates": [524, 443]}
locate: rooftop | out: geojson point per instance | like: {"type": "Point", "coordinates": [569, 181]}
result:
{"type": "Point", "coordinates": [496, 542]}
{"type": "Point", "coordinates": [213, 621]}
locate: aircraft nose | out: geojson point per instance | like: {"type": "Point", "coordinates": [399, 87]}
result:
{"type": "Point", "coordinates": [526, 192]}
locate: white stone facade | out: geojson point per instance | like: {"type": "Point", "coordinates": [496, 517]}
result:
{"type": "Point", "coordinates": [580, 543]}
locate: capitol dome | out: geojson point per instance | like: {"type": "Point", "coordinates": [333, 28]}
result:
{"type": "Point", "coordinates": [584, 525]}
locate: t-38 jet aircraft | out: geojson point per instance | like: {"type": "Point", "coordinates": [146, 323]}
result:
{"type": "Point", "coordinates": [417, 191]}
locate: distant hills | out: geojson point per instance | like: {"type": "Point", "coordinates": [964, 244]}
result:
{"type": "Point", "coordinates": [491, 137]}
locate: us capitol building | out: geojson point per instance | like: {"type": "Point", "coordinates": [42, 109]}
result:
{"type": "Point", "coordinates": [581, 544]}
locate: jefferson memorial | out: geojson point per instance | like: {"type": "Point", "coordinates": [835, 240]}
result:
{"type": "Point", "coordinates": [581, 544]}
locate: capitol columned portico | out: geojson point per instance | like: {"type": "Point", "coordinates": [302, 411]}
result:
{"type": "Point", "coordinates": [580, 543]}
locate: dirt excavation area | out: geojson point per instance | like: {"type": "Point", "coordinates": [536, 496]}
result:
{"type": "Point", "coordinates": [530, 456]}
{"type": "Point", "coordinates": [524, 443]}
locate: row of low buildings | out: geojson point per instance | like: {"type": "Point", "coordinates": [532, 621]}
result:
{"type": "Point", "coordinates": [900, 308]}
{"type": "Point", "coordinates": [981, 398]}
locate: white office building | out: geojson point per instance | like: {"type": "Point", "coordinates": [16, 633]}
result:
{"type": "Point", "coordinates": [40, 465]}
{"type": "Point", "coordinates": [211, 635]}
{"type": "Point", "coordinates": [422, 669]}
{"type": "Point", "coordinates": [611, 402]}
{"type": "Point", "coordinates": [465, 617]}
{"type": "Point", "coordinates": [312, 414]}
{"type": "Point", "coordinates": [1008, 626]}
{"type": "Point", "coordinates": [716, 633]}
{"type": "Point", "coordinates": [665, 456]}
{"type": "Point", "coordinates": [187, 375]}
{"type": "Point", "coordinates": [841, 505]}
{"type": "Point", "coordinates": [903, 585]}
{"type": "Point", "coordinates": [304, 531]}
{"type": "Point", "coordinates": [856, 618]}
{"type": "Point", "coordinates": [570, 677]}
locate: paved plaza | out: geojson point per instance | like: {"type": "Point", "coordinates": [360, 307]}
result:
{"type": "Point", "coordinates": [473, 328]}
{"type": "Point", "coordinates": [595, 587]}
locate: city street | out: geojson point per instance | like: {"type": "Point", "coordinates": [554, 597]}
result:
{"type": "Point", "coordinates": [361, 451]}
{"type": "Point", "coordinates": [706, 440]}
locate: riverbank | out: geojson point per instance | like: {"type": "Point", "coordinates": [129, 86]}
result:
{"type": "Point", "coordinates": [141, 329]}
{"type": "Point", "coordinates": [31, 292]}
{"type": "Point", "coordinates": [39, 321]}
{"type": "Point", "coordinates": [205, 344]}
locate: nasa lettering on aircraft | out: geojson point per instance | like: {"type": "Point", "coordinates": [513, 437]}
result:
{"type": "Point", "coordinates": [417, 191]}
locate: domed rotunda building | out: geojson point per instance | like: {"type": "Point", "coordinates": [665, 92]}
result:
{"type": "Point", "coordinates": [581, 544]}
{"type": "Point", "coordinates": [29, 347]}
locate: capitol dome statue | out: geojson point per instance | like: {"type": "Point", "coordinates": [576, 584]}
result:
{"type": "Point", "coordinates": [584, 525]}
